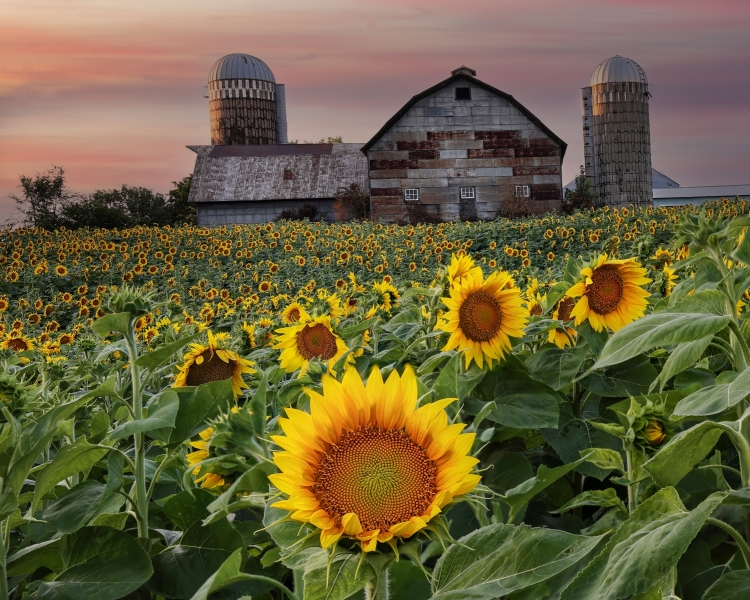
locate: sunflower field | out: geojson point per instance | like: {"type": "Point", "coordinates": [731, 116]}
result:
{"type": "Point", "coordinates": [552, 408]}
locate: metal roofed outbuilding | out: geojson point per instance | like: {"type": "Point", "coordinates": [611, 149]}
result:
{"type": "Point", "coordinates": [700, 194]}
{"type": "Point", "coordinates": [254, 184]}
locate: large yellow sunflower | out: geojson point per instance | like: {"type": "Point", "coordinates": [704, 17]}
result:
{"type": "Point", "coordinates": [483, 314]}
{"type": "Point", "coordinates": [213, 363]}
{"type": "Point", "coordinates": [610, 293]}
{"type": "Point", "coordinates": [301, 343]}
{"type": "Point", "coordinates": [368, 464]}
{"type": "Point", "coordinates": [562, 313]}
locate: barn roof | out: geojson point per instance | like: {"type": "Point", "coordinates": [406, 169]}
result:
{"type": "Point", "coordinates": [275, 171]}
{"type": "Point", "coordinates": [461, 74]}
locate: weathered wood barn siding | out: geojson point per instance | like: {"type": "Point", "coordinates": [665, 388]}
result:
{"type": "Point", "coordinates": [254, 184]}
{"type": "Point", "coordinates": [438, 144]}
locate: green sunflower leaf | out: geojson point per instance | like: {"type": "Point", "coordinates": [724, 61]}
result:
{"type": "Point", "coordinates": [644, 550]}
{"type": "Point", "coordinates": [499, 559]}
{"type": "Point", "coordinates": [692, 319]}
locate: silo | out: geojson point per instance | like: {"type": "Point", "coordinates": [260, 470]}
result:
{"type": "Point", "coordinates": [616, 133]}
{"type": "Point", "coordinates": [242, 101]}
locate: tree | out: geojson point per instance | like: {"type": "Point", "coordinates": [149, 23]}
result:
{"type": "Point", "coordinates": [351, 202]}
{"type": "Point", "coordinates": [43, 198]}
{"type": "Point", "coordinates": [583, 196]}
{"type": "Point", "coordinates": [182, 211]}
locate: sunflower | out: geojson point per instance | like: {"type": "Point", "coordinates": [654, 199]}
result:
{"type": "Point", "coordinates": [61, 270]}
{"type": "Point", "coordinates": [203, 364]}
{"type": "Point", "coordinates": [482, 316]}
{"type": "Point", "coordinates": [388, 295]}
{"type": "Point", "coordinates": [663, 258]}
{"type": "Point", "coordinates": [562, 313]}
{"type": "Point", "coordinates": [669, 280]}
{"type": "Point", "coordinates": [294, 313]}
{"type": "Point", "coordinates": [365, 463]}
{"type": "Point", "coordinates": [207, 480]}
{"type": "Point", "coordinates": [610, 293]}
{"type": "Point", "coordinates": [301, 343]}
{"type": "Point", "coordinates": [18, 343]}
{"type": "Point", "coordinates": [459, 268]}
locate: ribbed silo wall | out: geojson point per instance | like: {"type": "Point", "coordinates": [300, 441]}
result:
{"type": "Point", "coordinates": [622, 143]}
{"type": "Point", "coordinates": [243, 112]}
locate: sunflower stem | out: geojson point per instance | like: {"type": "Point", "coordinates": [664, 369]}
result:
{"type": "Point", "coordinates": [377, 589]}
{"type": "Point", "coordinates": [3, 569]}
{"type": "Point", "coordinates": [140, 442]}
{"type": "Point", "coordinates": [741, 543]}
{"type": "Point", "coordinates": [299, 583]}
{"type": "Point", "coordinates": [632, 498]}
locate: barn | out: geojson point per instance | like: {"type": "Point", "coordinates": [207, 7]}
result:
{"type": "Point", "coordinates": [463, 149]}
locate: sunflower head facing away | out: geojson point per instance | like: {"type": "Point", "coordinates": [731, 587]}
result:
{"type": "Point", "coordinates": [207, 480]}
{"type": "Point", "coordinates": [308, 340]}
{"type": "Point", "coordinates": [367, 464]}
{"type": "Point", "coordinates": [610, 295]}
{"type": "Point", "coordinates": [483, 314]}
{"type": "Point", "coordinates": [203, 364]}
{"type": "Point", "coordinates": [459, 268]}
{"type": "Point", "coordinates": [562, 313]}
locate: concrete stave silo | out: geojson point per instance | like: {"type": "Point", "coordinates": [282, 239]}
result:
{"type": "Point", "coordinates": [246, 104]}
{"type": "Point", "coordinates": [617, 134]}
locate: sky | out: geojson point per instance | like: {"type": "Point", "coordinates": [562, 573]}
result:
{"type": "Point", "coordinates": [112, 90]}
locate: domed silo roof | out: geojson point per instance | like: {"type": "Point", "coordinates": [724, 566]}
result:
{"type": "Point", "coordinates": [618, 69]}
{"type": "Point", "coordinates": [240, 66]}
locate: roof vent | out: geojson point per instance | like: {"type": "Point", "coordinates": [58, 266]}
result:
{"type": "Point", "coordinates": [463, 70]}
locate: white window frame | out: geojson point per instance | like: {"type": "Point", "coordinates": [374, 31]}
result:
{"type": "Point", "coordinates": [411, 194]}
{"type": "Point", "coordinates": [523, 191]}
{"type": "Point", "coordinates": [468, 193]}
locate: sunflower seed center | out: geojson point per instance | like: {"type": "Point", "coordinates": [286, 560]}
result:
{"type": "Point", "coordinates": [382, 476]}
{"type": "Point", "coordinates": [316, 341]}
{"type": "Point", "coordinates": [565, 308]}
{"type": "Point", "coordinates": [211, 369]}
{"type": "Point", "coordinates": [480, 316]}
{"type": "Point", "coordinates": [606, 289]}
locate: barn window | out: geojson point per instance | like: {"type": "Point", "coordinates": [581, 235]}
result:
{"type": "Point", "coordinates": [467, 193]}
{"type": "Point", "coordinates": [523, 191]}
{"type": "Point", "coordinates": [463, 93]}
{"type": "Point", "coordinates": [411, 194]}
{"type": "Point", "coordinates": [287, 174]}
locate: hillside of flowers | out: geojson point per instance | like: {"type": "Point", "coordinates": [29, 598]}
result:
{"type": "Point", "coordinates": [552, 409]}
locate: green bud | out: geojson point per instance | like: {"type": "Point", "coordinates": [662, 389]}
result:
{"type": "Point", "coordinates": [128, 299]}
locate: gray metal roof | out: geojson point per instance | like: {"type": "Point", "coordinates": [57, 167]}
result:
{"type": "Point", "coordinates": [616, 69]}
{"type": "Point", "coordinates": [707, 191]}
{"type": "Point", "coordinates": [240, 66]}
{"type": "Point", "coordinates": [253, 176]}
{"type": "Point", "coordinates": [660, 180]}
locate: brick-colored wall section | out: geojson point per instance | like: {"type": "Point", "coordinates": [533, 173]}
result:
{"type": "Point", "coordinates": [442, 144]}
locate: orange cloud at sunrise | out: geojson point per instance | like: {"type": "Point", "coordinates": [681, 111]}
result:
{"type": "Point", "coordinates": [113, 90]}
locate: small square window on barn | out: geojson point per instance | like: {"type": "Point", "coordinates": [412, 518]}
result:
{"type": "Point", "coordinates": [288, 174]}
{"type": "Point", "coordinates": [463, 93]}
{"type": "Point", "coordinates": [411, 195]}
{"type": "Point", "coordinates": [523, 191]}
{"type": "Point", "coordinates": [467, 193]}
